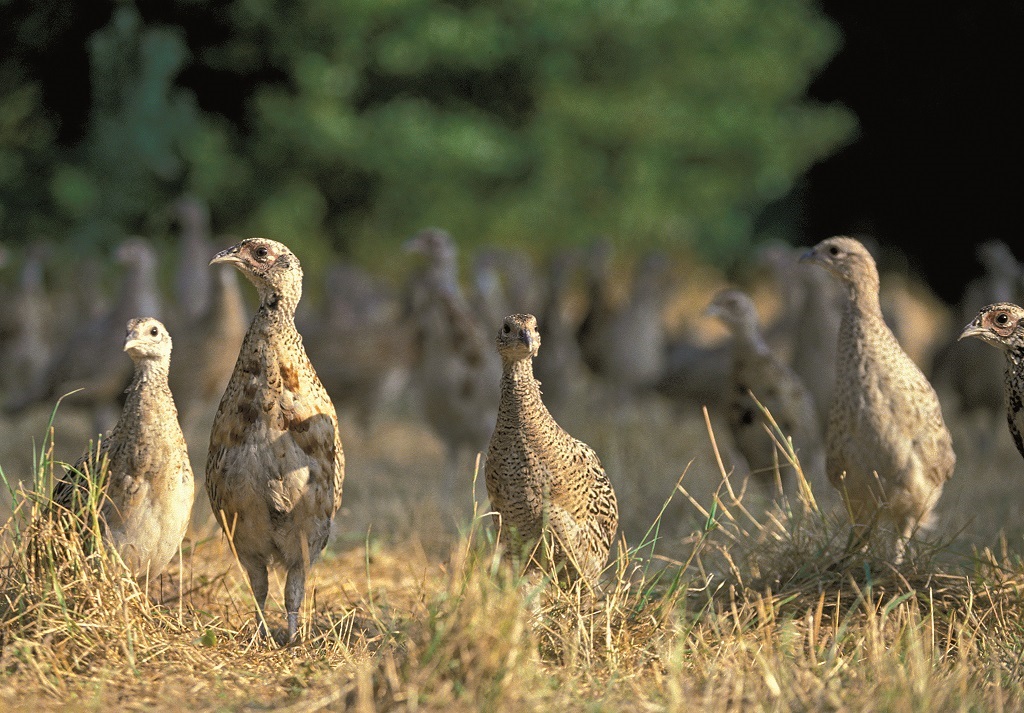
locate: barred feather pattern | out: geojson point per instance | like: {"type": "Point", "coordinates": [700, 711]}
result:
{"type": "Point", "coordinates": [541, 481]}
{"type": "Point", "coordinates": [1001, 325]}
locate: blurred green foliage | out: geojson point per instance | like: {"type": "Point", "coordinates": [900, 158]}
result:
{"type": "Point", "coordinates": [530, 122]}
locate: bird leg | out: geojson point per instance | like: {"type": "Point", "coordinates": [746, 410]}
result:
{"type": "Point", "coordinates": [294, 590]}
{"type": "Point", "coordinates": [257, 572]}
{"type": "Point", "coordinates": [910, 526]}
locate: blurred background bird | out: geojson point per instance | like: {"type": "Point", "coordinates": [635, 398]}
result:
{"type": "Point", "coordinates": [85, 363]}
{"type": "Point", "coordinates": [456, 372]}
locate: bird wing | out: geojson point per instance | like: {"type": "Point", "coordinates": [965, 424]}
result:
{"type": "Point", "coordinates": [71, 490]}
{"type": "Point", "coordinates": [308, 418]}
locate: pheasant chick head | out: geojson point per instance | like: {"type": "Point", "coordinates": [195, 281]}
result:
{"type": "Point", "coordinates": [518, 338]}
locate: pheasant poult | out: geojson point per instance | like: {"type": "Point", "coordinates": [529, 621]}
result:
{"type": "Point", "coordinates": [275, 468]}
{"type": "Point", "coordinates": [1002, 325]}
{"type": "Point", "coordinates": [541, 481]}
{"type": "Point", "coordinates": [971, 372]}
{"type": "Point", "coordinates": [454, 370]}
{"type": "Point", "coordinates": [756, 369]}
{"type": "Point", "coordinates": [149, 488]}
{"type": "Point", "coordinates": [888, 450]}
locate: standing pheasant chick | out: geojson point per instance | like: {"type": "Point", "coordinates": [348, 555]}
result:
{"type": "Point", "coordinates": [756, 369]}
{"type": "Point", "coordinates": [149, 486]}
{"type": "Point", "coordinates": [888, 450]}
{"type": "Point", "coordinates": [541, 481]}
{"type": "Point", "coordinates": [275, 468]}
{"type": "Point", "coordinates": [1002, 325]}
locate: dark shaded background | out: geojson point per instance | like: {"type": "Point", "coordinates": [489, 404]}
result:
{"type": "Point", "coordinates": [935, 169]}
{"type": "Point", "coordinates": [937, 166]}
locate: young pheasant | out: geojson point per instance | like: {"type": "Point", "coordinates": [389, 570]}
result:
{"type": "Point", "coordinates": [542, 482]}
{"type": "Point", "coordinates": [756, 369]}
{"type": "Point", "coordinates": [1002, 325]}
{"type": "Point", "coordinates": [455, 371]}
{"type": "Point", "coordinates": [888, 450]}
{"type": "Point", "coordinates": [275, 467]}
{"type": "Point", "coordinates": [149, 487]}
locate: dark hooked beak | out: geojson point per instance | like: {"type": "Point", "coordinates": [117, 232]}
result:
{"type": "Point", "coordinates": [228, 257]}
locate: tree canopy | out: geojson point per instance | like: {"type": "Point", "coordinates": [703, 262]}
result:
{"type": "Point", "coordinates": [349, 125]}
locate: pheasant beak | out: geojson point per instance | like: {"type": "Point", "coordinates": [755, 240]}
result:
{"type": "Point", "coordinates": [972, 330]}
{"type": "Point", "coordinates": [227, 257]}
{"type": "Point", "coordinates": [131, 340]}
{"type": "Point", "coordinates": [526, 338]}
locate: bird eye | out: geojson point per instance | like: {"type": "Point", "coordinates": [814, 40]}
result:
{"type": "Point", "coordinates": [833, 250]}
{"type": "Point", "coordinates": [506, 329]}
{"type": "Point", "coordinates": [1002, 318]}
{"type": "Point", "coordinates": [262, 252]}
{"type": "Point", "coordinates": [154, 331]}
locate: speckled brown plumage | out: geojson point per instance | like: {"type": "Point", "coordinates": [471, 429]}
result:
{"type": "Point", "coordinates": [970, 372]}
{"type": "Point", "coordinates": [1002, 325]}
{"type": "Point", "coordinates": [541, 480]}
{"type": "Point", "coordinates": [756, 369]}
{"type": "Point", "coordinates": [275, 468]}
{"type": "Point", "coordinates": [149, 488]}
{"type": "Point", "coordinates": [885, 417]}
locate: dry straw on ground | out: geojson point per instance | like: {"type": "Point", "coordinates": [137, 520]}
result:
{"type": "Point", "coordinates": [712, 602]}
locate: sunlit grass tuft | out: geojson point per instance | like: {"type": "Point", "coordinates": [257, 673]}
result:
{"type": "Point", "coordinates": [754, 607]}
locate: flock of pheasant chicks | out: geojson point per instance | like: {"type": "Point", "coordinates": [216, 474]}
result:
{"type": "Point", "coordinates": [275, 467]}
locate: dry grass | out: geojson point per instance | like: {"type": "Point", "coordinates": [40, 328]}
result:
{"type": "Point", "coordinates": [713, 601]}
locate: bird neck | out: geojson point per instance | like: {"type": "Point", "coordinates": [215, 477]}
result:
{"type": "Point", "coordinates": [1015, 363]}
{"type": "Point", "coordinates": [278, 305]}
{"type": "Point", "coordinates": [520, 392]}
{"type": "Point", "coordinates": [445, 281]}
{"type": "Point", "coordinates": [863, 296]}
{"type": "Point", "coordinates": [150, 371]}
{"type": "Point", "coordinates": [273, 324]}
{"type": "Point", "coordinates": [147, 388]}
{"type": "Point", "coordinates": [750, 335]}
